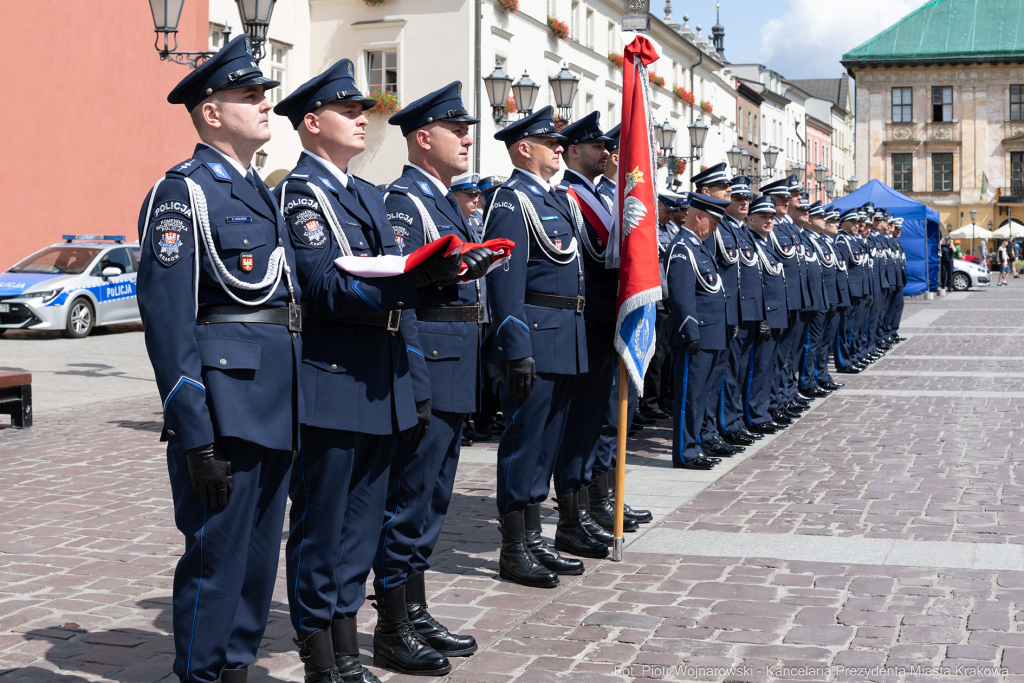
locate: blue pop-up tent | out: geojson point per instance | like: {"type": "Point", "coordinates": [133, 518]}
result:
{"type": "Point", "coordinates": [919, 237]}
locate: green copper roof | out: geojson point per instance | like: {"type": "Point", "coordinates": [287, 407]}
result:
{"type": "Point", "coordinates": [948, 31]}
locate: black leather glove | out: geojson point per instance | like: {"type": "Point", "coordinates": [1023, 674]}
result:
{"type": "Point", "coordinates": [211, 475]}
{"type": "Point", "coordinates": [477, 261]}
{"type": "Point", "coordinates": [733, 331]}
{"type": "Point", "coordinates": [419, 430]}
{"type": "Point", "coordinates": [520, 374]}
{"type": "Point", "coordinates": [831, 312]}
{"type": "Point", "coordinates": [437, 268]}
{"type": "Point", "coordinates": [693, 347]}
{"type": "Point", "coordinates": [764, 331]}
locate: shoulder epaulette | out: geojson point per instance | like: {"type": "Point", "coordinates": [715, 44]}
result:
{"type": "Point", "coordinates": [396, 187]}
{"type": "Point", "coordinates": [185, 168]}
{"type": "Point", "coordinates": [512, 182]}
{"type": "Point", "coordinates": [561, 188]}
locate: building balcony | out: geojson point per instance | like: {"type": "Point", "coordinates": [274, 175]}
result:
{"type": "Point", "coordinates": [1010, 195]}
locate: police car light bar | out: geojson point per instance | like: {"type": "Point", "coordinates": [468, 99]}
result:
{"type": "Point", "coordinates": [93, 238]}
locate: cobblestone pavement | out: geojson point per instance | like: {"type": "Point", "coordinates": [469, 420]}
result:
{"type": "Point", "coordinates": [881, 538]}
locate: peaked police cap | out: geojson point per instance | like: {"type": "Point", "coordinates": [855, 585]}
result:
{"type": "Point", "coordinates": [539, 124]}
{"type": "Point", "coordinates": [587, 129]}
{"type": "Point", "coordinates": [441, 105]}
{"type": "Point", "coordinates": [231, 68]}
{"type": "Point", "coordinates": [337, 84]}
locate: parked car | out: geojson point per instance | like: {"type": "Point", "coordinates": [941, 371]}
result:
{"type": "Point", "coordinates": [72, 286]}
{"type": "Point", "coordinates": [967, 275]}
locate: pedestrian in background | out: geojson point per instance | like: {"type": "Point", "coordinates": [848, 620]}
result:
{"type": "Point", "coordinates": [1003, 258]}
{"type": "Point", "coordinates": [946, 262]}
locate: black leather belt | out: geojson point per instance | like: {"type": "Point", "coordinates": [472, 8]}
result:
{"type": "Point", "coordinates": [451, 314]}
{"type": "Point", "coordinates": [572, 303]}
{"type": "Point", "coordinates": [391, 320]}
{"type": "Point", "coordinates": [286, 316]}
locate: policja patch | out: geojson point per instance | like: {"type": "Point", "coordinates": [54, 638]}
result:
{"type": "Point", "coordinates": [168, 239]}
{"type": "Point", "coordinates": [308, 227]}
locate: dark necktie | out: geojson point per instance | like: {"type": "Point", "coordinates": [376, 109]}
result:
{"type": "Point", "coordinates": [250, 176]}
{"type": "Point", "coordinates": [370, 233]}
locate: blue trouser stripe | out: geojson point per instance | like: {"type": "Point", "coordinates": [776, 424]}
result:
{"type": "Point", "coordinates": [195, 611]}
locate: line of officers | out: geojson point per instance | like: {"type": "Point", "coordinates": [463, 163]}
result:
{"type": "Point", "coordinates": [762, 297]}
{"type": "Point", "coordinates": [283, 375]}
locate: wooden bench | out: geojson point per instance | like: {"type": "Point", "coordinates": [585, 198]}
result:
{"type": "Point", "coordinates": [16, 398]}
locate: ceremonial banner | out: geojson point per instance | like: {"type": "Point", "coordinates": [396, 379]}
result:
{"type": "Point", "coordinates": [388, 266]}
{"type": "Point", "coordinates": [633, 244]}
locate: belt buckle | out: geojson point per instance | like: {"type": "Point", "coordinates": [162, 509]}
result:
{"type": "Point", "coordinates": [479, 314]}
{"type": "Point", "coordinates": [394, 320]}
{"type": "Point", "coordinates": [580, 303]}
{"type": "Point", "coordinates": [294, 317]}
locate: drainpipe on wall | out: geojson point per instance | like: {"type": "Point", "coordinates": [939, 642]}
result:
{"type": "Point", "coordinates": [476, 85]}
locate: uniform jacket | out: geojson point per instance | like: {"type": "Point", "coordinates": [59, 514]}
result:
{"type": "Point", "coordinates": [882, 259]}
{"type": "Point", "coordinates": [697, 314]}
{"type": "Point", "coordinates": [828, 273]}
{"type": "Point", "coordinates": [788, 238]}
{"type": "Point", "coordinates": [225, 379]}
{"type": "Point", "coordinates": [666, 234]}
{"type": "Point", "coordinates": [554, 337]}
{"type": "Point", "coordinates": [842, 281]}
{"type": "Point", "coordinates": [751, 294]}
{"type": "Point", "coordinates": [817, 301]}
{"type": "Point", "coordinates": [607, 188]}
{"type": "Point", "coordinates": [355, 377]}
{"type": "Point", "coordinates": [602, 284]}
{"type": "Point", "coordinates": [451, 349]}
{"type": "Point", "coordinates": [724, 245]}
{"type": "Point", "coordinates": [875, 265]}
{"type": "Point", "coordinates": [774, 286]}
{"type": "Point", "coordinates": [849, 248]}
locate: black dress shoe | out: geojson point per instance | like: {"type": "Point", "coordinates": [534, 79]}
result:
{"type": "Point", "coordinates": [436, 635]}
{"type": "Point", "coordinates": [737, 439]}
{"type": "Point", "coordinates": [805, 402]}
{"type": "Point", "coordinates": [635, 426]}
{"type": "Point", "coordinates": [498, 426]}
{"type": "Point", "coordinates": [654, 413]}
{"type": "Point", "coordinates": [604, 483]}
{"type": "Point", "coordinates": [833, 386]}
{"type": "Point", "coordinates": [516, 562]}
{"type": "Point", "coordinates": [242, 676]}
{"type": "Point", "coordinates": [717, 449]}
{"type": "Point", "coordinates": [749, 434]}
{"type": "Point", "coordinates": [640, 419]}
{"type": "Point", "coordinates": [570, 536]}
{"type": "Point", "coordinates": [316, 651]}
{"type": "Point", "coordinates": [396, 644]}
{"type": "Point", "coordinates": [547, 556]}
{"type": "Point", "coordinates": [763, 428]}
{"type": "Point", "coordinates": [779, 417]}
{"type": "Point", "coordinates": [346, 653]}
{"type": "Point", "coordinates": [797, 407]}
{"type": "Point", "coordinates": [850, 370]}
{"type": "Point", "coordinates": [900, 339]}
{"type": "Point", "coordinates": [599, 505]}
{"type": "Point", "coordinates": [698, 463]}
{"type": "Point", "coordinates": [470, 433]}
{"type": "Point", "coordinates": [467, 441]}
{"type": "Point", "coordinates": [596, 531]}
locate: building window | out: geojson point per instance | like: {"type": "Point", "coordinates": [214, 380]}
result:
{"type": "Point", "coordinates": [613, 38]}
{"type": "Point", "coordinates": [942, 104]}
{"type": "Point", "coordinates": [575, 18]}
{"type": "Point", "coordinates": [382, 71]}
{"type": "Point", "coordinates": [902, 105]}
{"type": "Point", "coordinates": [216, 37]}
{"type": "Point", "coordinates": [590, 29]}
{"type": "Point", "coordinates": [279, 71]}
{"type": "Point", "coordinates": [1016, 99]}
{"type": "Point", "coordinates": [942, 172]}
{"type": "Point", "coordinates": [902, 172]}
{"type": "Point", "coordinates": [1016, 170]}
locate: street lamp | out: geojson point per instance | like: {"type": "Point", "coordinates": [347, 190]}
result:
{"type": "Point", "coordinates": [736, 159]}
{"type": "Point", "coordinates": [166, 14]}
{"type": "Point", "coordinates": [819, 173]}
{"type": "Point", "coordinates": [565, 84]}
{"type": "Point", "coordinates": [525, 91]}
{"type": "Point", "coordinates": [830, 186]}
{"type": "Point", "coordinates": [798, 171]}
{"type": "Point", "coordinates": [770, 155]}
{"type": "Point", "coordinates": [259, 159]}
{"type": "Point", "coordinates": [698, 133]}
{"type": "Point", "coordinates": [852, 183]}
{"type": "Point", "coordinates": [256, 18]}
{"type": "Point", "coordinates": [667, 136]}
{"type": "Point", "coordinates": [974, 228]}
{"type": "Point", "coordinates": [497, 86]}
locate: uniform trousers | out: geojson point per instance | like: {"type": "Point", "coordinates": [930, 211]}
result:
{"type": "Point", "coordinates": [338, 489]}
{"type": "Point", "coordinates": [798, 345]}
{"type": "Point", "coordinates": [692, 373]}
{"type": "Point", "coordinates": [782, 362]}
{"type": "Point", "coordinates": [897, 312]}
{"type": "Point", "coordinates": [760, 379]}
{"type": "Point", "coordinates": [871, 330]}
{"type": "Point", "coordinates": [731, 401]}
{"type": "Point", "coordinates": [419, 491]}
{"type": "Point", "coordinates": [713, 404]}
{"type": "Point", "coordinates": [844, 347]}
{"type": "Point", "coordinates": [657, 382]}
{"type": "Point", "coordinates": [860, 346]}
{"type": "Point", "coordinates": [890, 316]}
{"type": "Point", "coordinates": [812, 345]}
{"type": "Point", "coordinates": [828, 343]}
{"type": "Point", "coordinates": [533, 437]}
{"type": "Point", "coordinates": [224, 581]}
{"type": "Point", "coordinates": [587, 411]}
{"type": "Point", "coordinates": [607, 441]}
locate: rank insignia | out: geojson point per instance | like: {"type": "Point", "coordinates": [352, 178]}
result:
{"type": "Point", "coordinates": [327, 182]}
{"type": "Point", "coordinates": [534, 190]}
{"type": "Point", "coordinates": [246, 261]}
{"type": "Point", "coordinates": [695, 241]}
{"type": "Point", "coordinates": [425, 189]}
{"type": "Point", "coordinates": [218, 170]}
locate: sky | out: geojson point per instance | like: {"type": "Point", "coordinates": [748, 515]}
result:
{"type": "Point", "coordinates": [797, 38]}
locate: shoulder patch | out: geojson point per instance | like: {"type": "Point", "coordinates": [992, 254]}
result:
{"type": "Point", "coordinates": [218, 171]}
{"type": "Point", "coordinates": [300, 203]}
{"type": "Point", "coordinates": [511, 183]}
{"type": "Point", "coordinates": [505, 205]}
{"type": "Point", "coordinates": [400, 216]}
{"type": "Point", "coordinates": [534, 190]}
{"type": "Point", "coordinates": [425, 188]}
{"type": "Point", "coordinates": [169, 236]}
{"type": "Point", "coordinates": [308, 226]}
{"type": "Point", "coordinates": [186, 167]}
{"type": "Point", "coordinates": [398, 189]}
{"type": "Point", "coordinates": [695, 241]}
{"type": "Point", "coordinates": [328, 183]}
{"type": "Point", "coordinates": [173, 206]}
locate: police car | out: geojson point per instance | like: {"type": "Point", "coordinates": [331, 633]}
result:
{"type": "Point", "coordinates": [72, 286]}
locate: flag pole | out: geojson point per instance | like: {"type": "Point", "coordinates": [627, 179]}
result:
{"type": "Point", "coordinates": [620, 460]}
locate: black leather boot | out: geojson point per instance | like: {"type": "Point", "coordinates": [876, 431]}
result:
{"type": "Point", "coordinates": [516, 563]}
{"type": "Point", "coordinates": [602, 510]}
{"type": "Point", "coordinates": [235, 675]}
{"type": "Point", "coordinates": [596, 531]}
{"type": "Point", "coordinates": [346, 653]}
{"type": "Point", "coordinates": [544, 553]}
{"type": "Point", "coordinates": [317, 654]}
{"type": "Point", "coordinates": [436, 635]}
{"type": "Point", "coordinates": [397, 646]}
{"type": "Point", "coordinates": [570, 536]}
{"type": "Point", "coordinates": [605, 481]}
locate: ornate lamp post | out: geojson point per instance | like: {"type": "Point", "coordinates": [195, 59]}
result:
{"type": "Point", "coordinates": [497, 86]}
{"type": "Point", "coordinates": [830, 186]}
{"type": "Point", "coordinates": [256, 18]}
{"type": "Point", "coordinates": [565, 84]}
{"type": "Point", "coordinates": [525, 92]}
{"type": "Point", "coordinates": [851, 184]}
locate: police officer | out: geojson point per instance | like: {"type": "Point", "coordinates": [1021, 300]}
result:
{"type": "Point", "coordinates": [220, 310]}
{"type": "Point", "coordinates": [538, 339]}
{"type": "Point", "coordinates": [607, 183]}
{"type": "Point", "coordinates": [697, 327]}
{"type": "Point", "coordinates": [815, 309]}
{"type": "Point", "coordinates": [901, 265]}
{"type": "Point", "coordinates": [851, 253]}
{"type": "Point", "coordinates": [875, 270]}
{"type": "Point", "coordinates": [822, 329]}
{"type": "Point", "coordinates": [585, 157]}
{"type": "Point", "coordinates": [658, 377]}
{"type": "Point", "coordinates": [825, 223]}
{"type": "Point", "coordinates": [363, 377]}
{"type": "Point", "coordinates": [762, 369]}
{"type": "Point", "coordinates": [751, 315]}
{"type": "Point", "coordinates": [421, 209]}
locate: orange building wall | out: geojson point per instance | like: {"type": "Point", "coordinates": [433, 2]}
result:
{"type": "Point", "coordinates": [86, 129]}
{"type": "Point", "coordinates": [824, 142]}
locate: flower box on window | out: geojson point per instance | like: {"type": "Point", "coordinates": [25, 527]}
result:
{"type": "Point", "coordinates": [387, 102]}
{"type": "Point", "coordinates": [509, 6]}
{"type": "Point", "coordinates": [559, 28]}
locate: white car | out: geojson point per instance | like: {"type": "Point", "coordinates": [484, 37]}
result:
{"type": "Point", "coordinates": [967, 275]}
{"type": "Point", "coordinates": [72, 286]}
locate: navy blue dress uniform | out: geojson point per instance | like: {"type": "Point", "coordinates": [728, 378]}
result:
{"type": "Point", "coordinates": [737, 243]}
{"type": "Point", "coordinates": [362, 375]}
{"type": "Point", "coordinates": [220, 313]}
{"type": "Point", "coordinates": [841, 288]}
{"type": "Point", "coordinates": [858, 269]}
{"type": "Point", "coordinates": [901, 281]}
{"type": "Point", "coordinates": [422, 209]}
{"type": "Point", "coordinates": [657, 381]}
{"type": "Point", "coordinates": [697, 333]}
{"type": "Point", "coordinates": [811, 376]}
{"type": "Point", "coordinates": [761, 373]}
